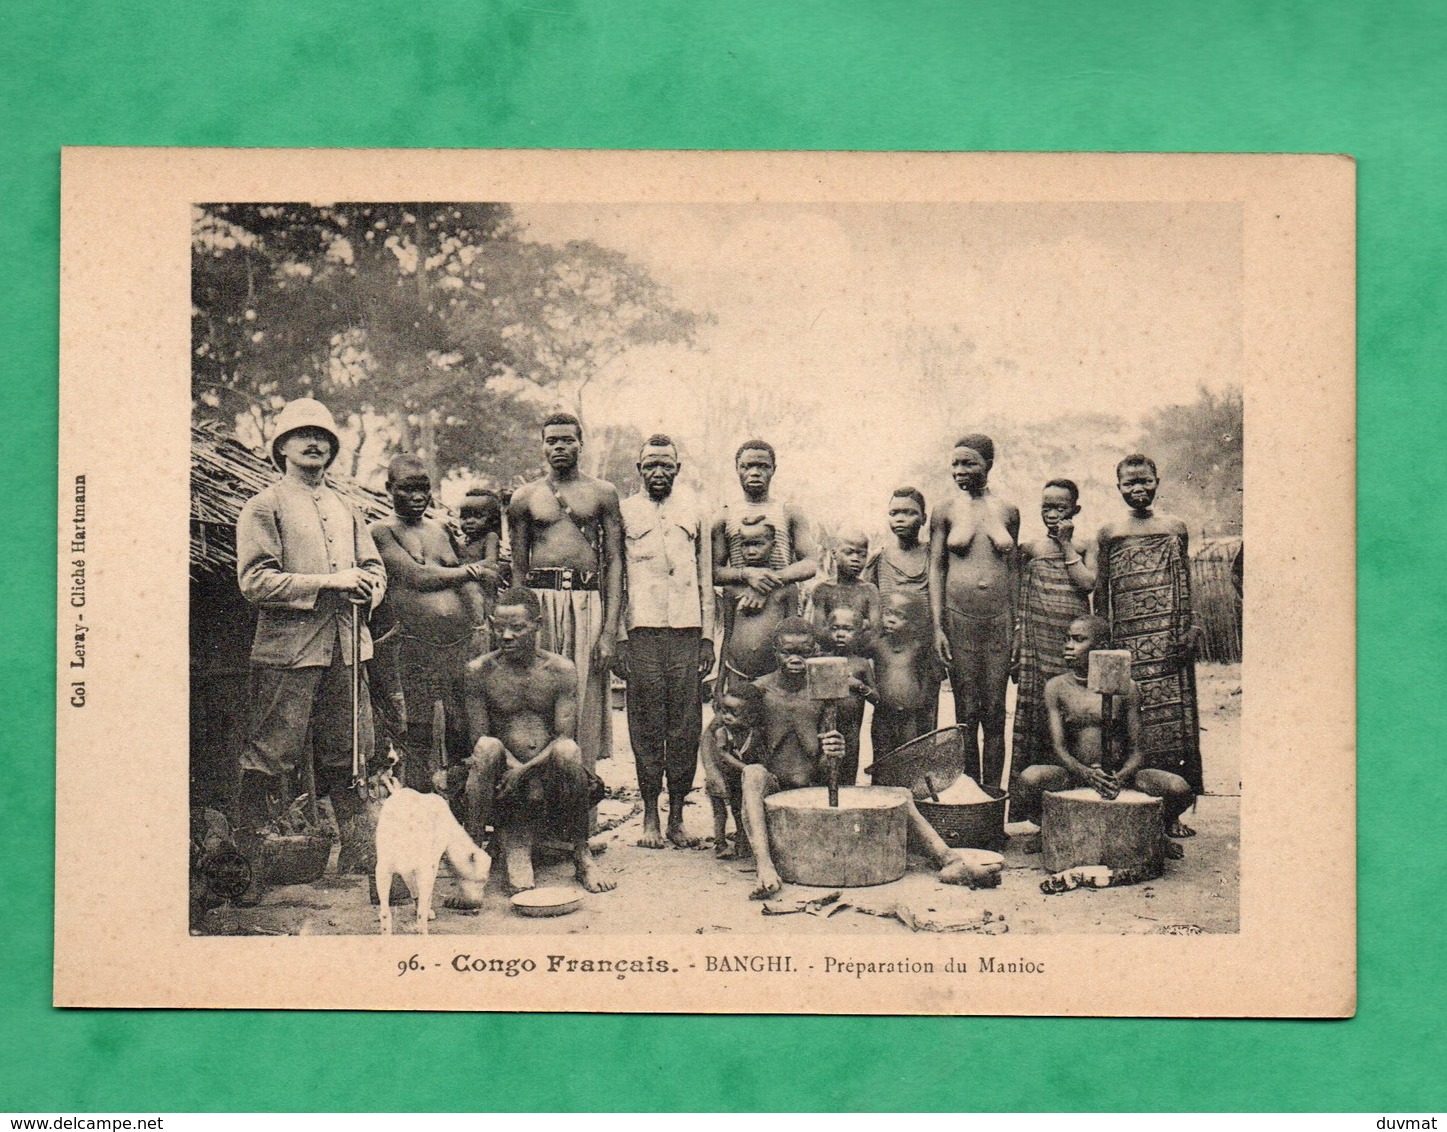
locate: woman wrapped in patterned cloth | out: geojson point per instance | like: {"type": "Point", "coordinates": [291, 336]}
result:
{"type": "Point", "coordinates": [1057, 574]}
{"type": "Point", "coordinates": [1143, 590]}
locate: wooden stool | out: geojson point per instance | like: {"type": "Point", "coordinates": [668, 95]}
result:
{"type": "Point", "coordinates": [1079, 827]}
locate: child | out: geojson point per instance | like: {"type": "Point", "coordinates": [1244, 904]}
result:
{"type": "Point", "coordinates": [750, 618]}
{"type": "Point", "coordinates": [850, 553]}
{"type": "Point", "coordinates": [481, 522]}
{"type": "Point", "coordinates": [905, 565]}
{"type": "Point", "coordinates": [1057, 573]}
{"type": "Point", "coordinates": [1081, 754]}
{"type": "Point", "coordinates": [906, 674]}
{"type": "Point", "coordinates": [480, 518]}
{"type": "Point", "coordinates": [727, 747]}
{"type": "Point", "coordinates": [844, 634]}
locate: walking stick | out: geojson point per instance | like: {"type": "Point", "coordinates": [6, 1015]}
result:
{"type": "Point", "coordinates": [359, 762]}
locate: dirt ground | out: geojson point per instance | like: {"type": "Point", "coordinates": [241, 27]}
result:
{"type": "Point", "coordinates": [683, 891]}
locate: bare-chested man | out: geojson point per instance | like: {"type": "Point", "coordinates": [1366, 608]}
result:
{"type": "Point", "coordinates": [526, 778]}
{"type": "Point", "coordinates": [795, 753]}
{"type": "Point", "coordinates": [438, 617]}
{"type": "Point", "coordinates": [1078, 741]}
{"type": "Point", "coordinates": [567, 547]}
{"type": "Point", "coordinates": [972, 584]}
{"type": "Point", "coordinates": [791, 559]}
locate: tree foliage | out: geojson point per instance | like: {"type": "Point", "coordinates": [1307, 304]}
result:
{"type": "Point", "coordinates": [438, 325]}
{"type": "Point", "coordinates": [1198, 448]}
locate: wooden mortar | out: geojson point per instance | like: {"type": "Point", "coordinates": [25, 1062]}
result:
{"type": "Point", "coordinates": [860, 842]}
{"type": "Point", "coordinates": [1079, 827]}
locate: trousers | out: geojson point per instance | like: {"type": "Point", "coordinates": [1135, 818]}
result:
{"type": "Point", "coordinates": [287, 703]}
{"type": "Point", "coordinates": [665, 708]}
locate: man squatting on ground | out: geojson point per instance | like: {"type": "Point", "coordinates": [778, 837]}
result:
{"type": "Point", "coordinates": [795, 753]}
{"type": "Point", "coordinates": [1077, 735]}
{"type": "Point", "coordinates": [526, 776]}
{"type": "Point", "coordinates": [303, 557]}
{"type": "Point", "coordinates": [567, 538]}
{"type": "Point", "coordinates": [668, 630]}
{"type": "Point", "coordinates": [438, 622]}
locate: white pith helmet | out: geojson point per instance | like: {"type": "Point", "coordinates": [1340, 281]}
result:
{"type": "Point", "coordinates": [304, 412]}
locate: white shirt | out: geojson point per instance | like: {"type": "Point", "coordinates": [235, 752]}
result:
{"type": "Point", "coordinates": [668, 566]}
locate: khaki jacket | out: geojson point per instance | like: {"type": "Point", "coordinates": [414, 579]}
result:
{"type": "Point", "coordinates": [288, 539]}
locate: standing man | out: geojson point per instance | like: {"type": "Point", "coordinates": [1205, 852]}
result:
{"type": "Point", "coordinates": [792, 558]}
{"type": "Point", "coordinates": [305, 559]}
{"type": "Point", "coordinates": [668, 624]}
{"type": "Point", "coordinates": [567, 537]}
{"type": "Point", "coordinates": [439, 620]}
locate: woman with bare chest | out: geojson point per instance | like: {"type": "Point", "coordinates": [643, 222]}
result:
{"type": "Point", "coordinates": [973, 538]}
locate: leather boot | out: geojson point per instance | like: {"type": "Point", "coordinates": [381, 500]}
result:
{"type": "Point", "coordinates": [254, 813]}
{"type": "Point", "coordinates": [358, 853]}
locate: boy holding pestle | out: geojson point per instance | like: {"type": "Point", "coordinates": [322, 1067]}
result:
{"type": "Point", "coordinates": [1084, 755]}
{"type": "Point", "coordinates": [794, 754]}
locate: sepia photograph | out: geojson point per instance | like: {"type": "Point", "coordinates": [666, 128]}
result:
{"type": "Point", "coordinates": [687, 567]}
{"type": "Point", "coordinates": [800, 583]}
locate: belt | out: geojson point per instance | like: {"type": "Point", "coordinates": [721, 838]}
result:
{"type": "Point", "coordinates": [561, 578]}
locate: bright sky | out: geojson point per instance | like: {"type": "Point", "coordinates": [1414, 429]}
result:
{"type": "Point", "coordinates": [852, 334]}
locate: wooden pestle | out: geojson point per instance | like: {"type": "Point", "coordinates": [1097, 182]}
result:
{"type": "Point", "coordinates": [827, 678]}
{"type": "Point", "coordinates": [1108, 674]}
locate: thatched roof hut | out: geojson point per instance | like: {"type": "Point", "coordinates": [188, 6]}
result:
{"type": "Point", "coordinates": [1217, 579]}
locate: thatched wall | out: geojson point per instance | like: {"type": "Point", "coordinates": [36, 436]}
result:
{"type": "Point", "coordinates": [1216, 587]}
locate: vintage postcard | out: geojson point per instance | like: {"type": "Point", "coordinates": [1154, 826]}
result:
{"type": "Point", "coordinates": [707, 582]}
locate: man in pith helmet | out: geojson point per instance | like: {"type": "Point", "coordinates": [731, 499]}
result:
{"type": "Point", "coordinates": [304, 557]}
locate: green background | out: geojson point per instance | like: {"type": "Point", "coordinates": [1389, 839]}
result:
{"type": "Point", "coordinates": [1362, 78]}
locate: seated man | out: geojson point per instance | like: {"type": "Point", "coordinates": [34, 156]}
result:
{"type": "Point", "coordinates": [526, 777]}
{"type": "Point", "coordinates": [1083, 758]}
{"type": "Point", "coordinates": [795, 754]}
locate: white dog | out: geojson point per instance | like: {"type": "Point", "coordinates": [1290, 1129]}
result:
{"type": "Point", "coordinates": [413, 831]}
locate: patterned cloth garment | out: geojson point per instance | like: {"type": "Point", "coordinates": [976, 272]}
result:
{"type": "Point", "coordinates": [1144, 593]}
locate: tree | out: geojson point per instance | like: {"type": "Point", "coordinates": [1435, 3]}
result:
{"type": "Point", "coordinates": [437, 322]}
{"type": "Point", "coordinates": [1198, 448]}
